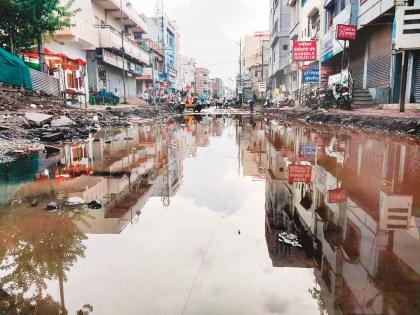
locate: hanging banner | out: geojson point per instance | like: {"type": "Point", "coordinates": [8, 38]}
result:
{"type": "Point", "coordinates": [337, 195]}
{"type": "Point", "coordinates": [300, 174]}
{"type": "Point", "coordinates": [304, 51]}
{"type": "Point", "coordinates": [346, 32]}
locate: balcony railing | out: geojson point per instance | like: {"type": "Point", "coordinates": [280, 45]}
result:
{"type": "Point", "coordinates": [109, 37]}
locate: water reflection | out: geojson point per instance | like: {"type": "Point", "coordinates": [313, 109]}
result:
{"type": "Point", "coordinates": [356, 219]}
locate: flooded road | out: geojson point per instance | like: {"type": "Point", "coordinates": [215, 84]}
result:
{"type": "Point", "coordinates": [213, 215]}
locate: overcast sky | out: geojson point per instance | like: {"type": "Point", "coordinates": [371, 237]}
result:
{"type": "Point", "coordinates": [211, 29]}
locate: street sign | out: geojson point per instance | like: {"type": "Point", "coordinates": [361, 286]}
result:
{"type": "Point", "coordinates": [346, 32]}
{"type": "Point", "coordinates": [304, 51]}
{"type": "Point", "coordinates": [337, 195]}
{"type": "Point", "coordinates": [300, 174]}
{"type": "Point", "coordinates": [240, 90]}
{"type": "Point", "coordinates": [262, 87]}
{"type": "Point", "coordinates": [311, 76]}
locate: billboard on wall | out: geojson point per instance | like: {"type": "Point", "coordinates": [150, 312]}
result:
{"type": "Point", "coordinates": [304, 51]}
{"type": "Point", "coordinates": [311, 76]}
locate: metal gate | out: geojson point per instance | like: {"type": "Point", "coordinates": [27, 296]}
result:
{"type": "Point", "coordinates": [44, 82]}
{"type": "Point", "coordinates": [416, 77]}
{"type": "Point", "coordinates": [380, 57]}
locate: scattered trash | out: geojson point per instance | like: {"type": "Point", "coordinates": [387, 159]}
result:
{"type": "Point", "coordinates": [289, 239]}
{"type": "Point", "coordinates": [94, 205]}
{"type": "Point", "coordinates": [52, 206]}
{"type": "Point", "coordinates": [75, 201]}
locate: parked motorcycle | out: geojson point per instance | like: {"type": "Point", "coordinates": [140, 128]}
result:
{"type": "Point", "coordinates": [326, 97]}
{"type": "Point", "coordinates": [311, 100]}
{"type": "Point", "coordinates": [343, 99]}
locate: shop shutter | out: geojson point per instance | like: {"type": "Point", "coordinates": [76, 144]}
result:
{"type": "Point", "coordinates": [357, 58]}
{"type": "Point", "coordinates": [380, 56]}
{"type": "Point", "coordinates": [416, 82]}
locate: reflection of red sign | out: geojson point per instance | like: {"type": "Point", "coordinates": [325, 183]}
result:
{"type": "Point", "coordinates": [346, 32]}
{"type": "Point", "coordinates": [304, 51]}
{"type": "Point", "coordinates": [300, 173]}
{"type": "Point", "coordinates": [337, 195]}
{"type": "Point", "coordinates": [257, 178]}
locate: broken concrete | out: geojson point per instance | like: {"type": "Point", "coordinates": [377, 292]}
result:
{"type": "Point", "coordinates": [63, 121]}
{"type": "Point", "coordinates": [37, 119]}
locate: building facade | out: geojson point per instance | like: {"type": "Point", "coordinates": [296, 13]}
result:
{"type": "Point", "coordinates": [202, 82]}
{"type": "Point", "coordinates": [96, 36]}
{"type": "Point", "coordinates": [279, 43]}
{"type": "Point", "coordinates": [186, 73]}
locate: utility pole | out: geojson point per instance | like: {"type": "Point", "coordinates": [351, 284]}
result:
{"type": "Point", "coordinates": [262, 65]}
{"type": "Point", "coordinates": [403, 85]}
{"type": "Point", "coordinates": [152, 62]}
{"type": "Point", "coordinates": [123, 50]}
{"type": "Point", "coordinates": [240, 70]}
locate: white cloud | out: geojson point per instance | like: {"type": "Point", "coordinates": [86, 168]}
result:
{"type": "Point", "coordinates": [210, 29]}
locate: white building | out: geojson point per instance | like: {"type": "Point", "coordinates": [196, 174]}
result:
{"type": "Point", "coordinates": [96, 37]}
{"type": "Point", "coordinates": [186, 73]}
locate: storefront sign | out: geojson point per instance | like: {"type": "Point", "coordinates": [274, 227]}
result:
{"type": "Point", "coordinates": [311, 76]}
{"type": "Point", "coordinates": [346, 32]}
{"type": "Point", "coordinates": [304, 67]}
{"type": "Point", "coordinates": [337, 195]}
{"type": "Point", "coordinates": [304, 51]}
{"type": "Point", "coordinates": [262, 87]}
{"type": "Point", "coordinates": [300, 174]}
{"type": "Point", "coordinates": [172, 72]}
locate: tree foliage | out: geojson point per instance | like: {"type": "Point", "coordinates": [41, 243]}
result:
{"type": "Point", "coordinates": [24, 22]}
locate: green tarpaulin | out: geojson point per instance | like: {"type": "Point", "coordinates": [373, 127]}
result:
{"type": "Point", "coordinates": [13, 70]}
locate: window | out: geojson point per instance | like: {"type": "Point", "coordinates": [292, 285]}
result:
{"type": "Point", "coordinates": [285, 47]}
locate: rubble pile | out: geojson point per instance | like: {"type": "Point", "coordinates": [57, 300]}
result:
{"type": "Point", "coordinates": [390, 124]}
{"type": "Point", "coordinates": [29, 119]}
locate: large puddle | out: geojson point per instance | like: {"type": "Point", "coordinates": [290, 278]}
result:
{"type": "Point", "coordinates": [198, 216]}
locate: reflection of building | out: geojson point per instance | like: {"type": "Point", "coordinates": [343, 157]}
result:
{"type": "Point", "coordinates": [254, 158]}
{"type": "Point", "coordinates": [359, 217]}
{"type": "Point", "coordinates": [202, 82]}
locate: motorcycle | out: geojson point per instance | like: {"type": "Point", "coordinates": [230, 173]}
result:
{"type": "Point", "coordinates": [326, 97]}
{"type": "Point", "coordinates": [343, 99]}
{"type": "Point", "coordinates": [311, 100]}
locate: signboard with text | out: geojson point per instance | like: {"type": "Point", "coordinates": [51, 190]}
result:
{"type": "Point", "coordinates": [304, 51]}
{"type": "Point", "coordinates": [300, 174]}
{"type": "Point", "coordinates": [262, 87]}
{"type": "Point", "coordinates": [311, 76]}
{"type": "Point", "coordinates": [307, 150]}
{"type": "Point", "coordinates": [337, 195]}
{"type": "Point", "coordinates": [346, 32]}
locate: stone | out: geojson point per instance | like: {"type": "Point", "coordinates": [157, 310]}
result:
{"type": "Point", "coordinates": [94, 205]}
{"type": "Point", "coordinates": [52, 206]}
{"type": "Point", "coordinates": [63, 121]}
{"type": "Point", "coordinates": [38, 119]}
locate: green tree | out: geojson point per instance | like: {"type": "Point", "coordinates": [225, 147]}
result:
{"type": "Point", "coordinates": [24, 23]}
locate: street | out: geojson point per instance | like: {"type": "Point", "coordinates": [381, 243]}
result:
{"type": "Point", "coordinates": [209, 157]}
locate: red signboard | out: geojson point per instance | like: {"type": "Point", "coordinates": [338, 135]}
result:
{"type": "Point", "coordinates": [305, 67]}
{"type": "Point", "coordinates": [304, 51]}
{"type": "Point", "coordinates": [300, 174]}
{"type": "Point", "coordinates": [337, 195]}
{"type": "Point", "coordinates": [346, 32]}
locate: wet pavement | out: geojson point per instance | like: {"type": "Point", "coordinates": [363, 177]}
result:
{"type": "Point", "coordinates": [201, 215]}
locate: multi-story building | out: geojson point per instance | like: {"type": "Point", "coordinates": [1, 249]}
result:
{"type": "Point", "coordinates": [279, 43]}
{"type": "Point", "coordinates": [163, 31]}
{"type": "Point", "coordinates": [256, 51]}
{"type": "Point", "coordinates": [202, 82]}
{"type": "Point", "coordinates": [96, 36]}
{"type": "Point", "coordinates": [217, 88]}
{"type": "Point", "coordinates": [150, 78]}
{"type": "Point", "coordinates": [186, 73]}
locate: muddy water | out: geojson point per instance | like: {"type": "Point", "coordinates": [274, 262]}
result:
{"type": "Point", "coordinates": [202, 216]}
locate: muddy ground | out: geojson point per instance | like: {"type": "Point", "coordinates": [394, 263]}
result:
{"type": "Point", "coordinates": [20, 136]}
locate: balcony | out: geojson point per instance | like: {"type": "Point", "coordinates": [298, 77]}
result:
{"type": "Point", "coordinates": [111, 38]}
{"type": "Point", "coordinates": [129, 15]}
{"type": "Point", "coordinates": [81, 32]}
